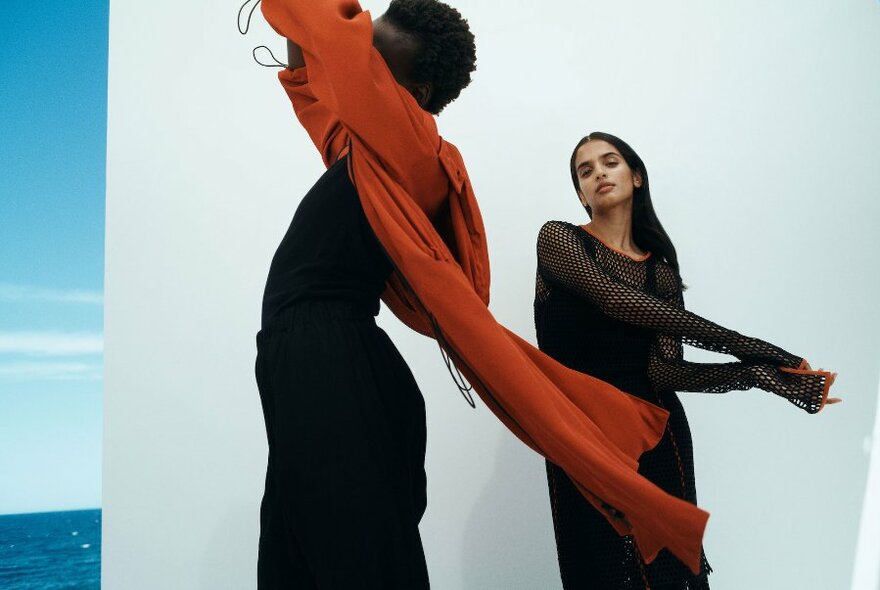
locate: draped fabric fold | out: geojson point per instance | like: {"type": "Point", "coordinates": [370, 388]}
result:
{"type": "Point", "coordinates": [417, 196]}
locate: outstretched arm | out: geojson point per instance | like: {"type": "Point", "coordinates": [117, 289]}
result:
{"type": "Point", "coordinates": [563, 259]}
{"type": "Point", "coordinates": [668, 370]}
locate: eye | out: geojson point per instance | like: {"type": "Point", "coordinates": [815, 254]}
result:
{"type": "Point", "coordinates": [611, 163]}
{"type": "Point", "coordinates": [585, 172]}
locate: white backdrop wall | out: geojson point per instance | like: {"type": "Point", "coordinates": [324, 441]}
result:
{"type": "Point", "coordinates": [758, 123]}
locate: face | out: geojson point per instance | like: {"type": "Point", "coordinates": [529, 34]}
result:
{"type": "Point", "coordinates": [605, 180]}
{"type": "Point", "coordinates": [399, 51]}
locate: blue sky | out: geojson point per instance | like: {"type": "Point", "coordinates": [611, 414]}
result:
{"type": "Point", "coordinates": [53, 107]}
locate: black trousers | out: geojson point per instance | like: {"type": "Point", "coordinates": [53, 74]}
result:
{"type": "Point", "coordinates": [345, 482]}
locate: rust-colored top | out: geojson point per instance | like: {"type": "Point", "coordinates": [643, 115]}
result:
{"type": "Point", "coordinates": [418, 199]}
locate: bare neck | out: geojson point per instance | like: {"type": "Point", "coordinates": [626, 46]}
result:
{"type": "Point", "coordinates": [614, 227]}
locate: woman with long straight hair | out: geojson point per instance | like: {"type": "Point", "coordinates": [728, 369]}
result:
{"type": "Point", "coordinates": [608, 302]}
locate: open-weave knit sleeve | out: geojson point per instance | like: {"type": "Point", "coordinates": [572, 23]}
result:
{"type": "Point", "coordinates": [563, 259]}
{"type": "Point", "coordinates": [668, 370]}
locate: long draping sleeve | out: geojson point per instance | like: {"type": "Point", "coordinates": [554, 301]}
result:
{"type": "Point", "coordinates": [564, 260]}
{"type": "Point", "coordinates": [346, 95]}
{"type": "Point", "coordinates": [349, 82]}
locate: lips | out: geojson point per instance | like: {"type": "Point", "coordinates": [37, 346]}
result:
{"type": "Point", "coordinates": [605, 187]}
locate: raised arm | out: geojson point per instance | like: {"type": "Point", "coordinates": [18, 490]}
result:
{"type": "Point", "coordinates": [348, 78]}
{"type": "Point", "coordinates": [563, 259]}
{"type": "Point", "coordinates": [319, 121]}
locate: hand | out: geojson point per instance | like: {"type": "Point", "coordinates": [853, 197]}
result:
{"type": "Point", "coordinates": [804, 388]}
{"type": "Point", "coordinates": [805, 366]}
{"type": "Point", "coordinates": [831, 400]}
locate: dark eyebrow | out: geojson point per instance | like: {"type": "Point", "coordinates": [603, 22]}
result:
{"type": "Point", "coordinates": [605, 155]}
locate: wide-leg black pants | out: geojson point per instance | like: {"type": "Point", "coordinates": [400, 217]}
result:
{"type": "Point", "coordinates": [345, 482]}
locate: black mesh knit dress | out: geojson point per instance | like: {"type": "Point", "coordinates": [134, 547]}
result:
{"type": "Point", "coordinates": [622, 319]}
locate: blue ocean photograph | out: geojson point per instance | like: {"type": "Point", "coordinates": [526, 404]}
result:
{"type": "Point", "coordinates": [53, 59]}
{"type": "Point", "coordinates": [51, 550]}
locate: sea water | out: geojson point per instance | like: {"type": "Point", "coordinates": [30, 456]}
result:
{"type": "Point", "coordinates": [51, 551]}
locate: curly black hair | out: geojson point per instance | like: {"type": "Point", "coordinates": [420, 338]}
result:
{"type": "Point", "coordinates": [447, 53]}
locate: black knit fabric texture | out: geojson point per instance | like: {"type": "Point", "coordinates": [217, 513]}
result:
{"type": "Point", "coordinates": [622, 319]}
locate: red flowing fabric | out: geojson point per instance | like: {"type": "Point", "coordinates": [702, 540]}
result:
{"type": "Point", "coordinates": [417, 196]}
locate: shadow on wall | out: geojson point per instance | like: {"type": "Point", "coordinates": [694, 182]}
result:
{"type": "Point", "coordinates": [508, 539]}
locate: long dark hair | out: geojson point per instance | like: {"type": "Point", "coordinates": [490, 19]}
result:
{"type": "Point", "coordinates": [648, 232]}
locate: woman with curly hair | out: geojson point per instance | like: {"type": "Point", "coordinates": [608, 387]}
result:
{"type": "Point", "coordinates": [345, 484]}
{"type": "Point", "coordinates": [608, 302]}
